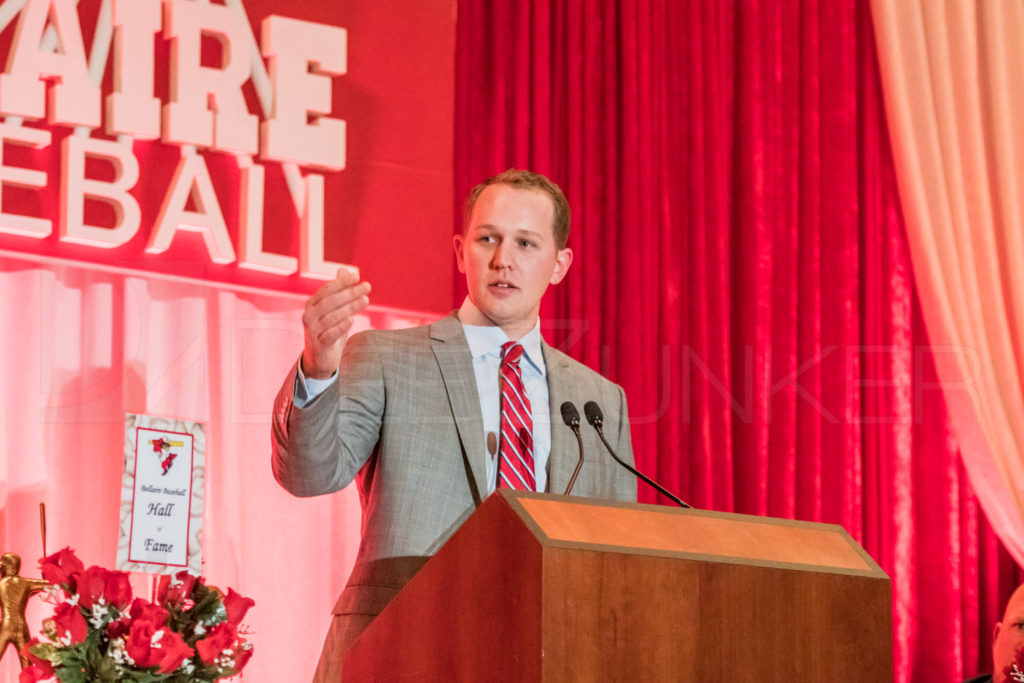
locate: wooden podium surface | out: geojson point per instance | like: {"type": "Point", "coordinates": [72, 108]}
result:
{"type": "Point", "coordinates": [540, 587]}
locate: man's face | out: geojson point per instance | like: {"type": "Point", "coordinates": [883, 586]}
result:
{"type": "Point", "coordinates": [1009, 634]}
{"type": "Point", "coordinates": [509, 256]}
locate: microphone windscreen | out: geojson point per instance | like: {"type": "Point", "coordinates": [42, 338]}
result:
{"type": "Point", "coordinates": [593, 412]}
{"type": "Point", "coordinates": [570, 415]}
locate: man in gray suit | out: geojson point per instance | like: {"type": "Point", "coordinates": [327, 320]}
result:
{"type": "Point", "coordinates": [415, 416]}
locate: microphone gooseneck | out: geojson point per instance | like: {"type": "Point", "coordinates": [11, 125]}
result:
{"type": "Point", "coordinates": [596, 419]}
{"type": "Point", "coordinates": [571, 417]}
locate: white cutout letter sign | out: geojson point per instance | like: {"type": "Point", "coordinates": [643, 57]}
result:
{"type": "Point", "coordinates": [73, 101]}
{"type": "Point", "coordinates": [195, 89]}
{"type": "Point", "coordinates": [75, 188]}
{"type": "Point", "coordinates": [291, 46]}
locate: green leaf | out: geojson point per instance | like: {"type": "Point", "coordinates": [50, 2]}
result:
{"type": "Point", "coordinates": [67, 674]}
{"type": "Point", "coordinates": [46, 651]}
{"type": "Point", "coordinates": [101, 668]}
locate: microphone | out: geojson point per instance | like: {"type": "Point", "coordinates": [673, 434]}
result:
{"type": "Point", "coordinates": [571, 417]}
{"type": "Point", "coordinates": [596, 419]}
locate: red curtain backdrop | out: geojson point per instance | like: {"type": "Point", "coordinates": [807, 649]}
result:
{"type": "Point", "coordinates": [742, 269]}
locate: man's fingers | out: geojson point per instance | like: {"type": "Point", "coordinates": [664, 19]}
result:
{"type": "Point", "coordinates": [328, 315]}
{"type": "Point", "coordinates": [344, 297]}
{"type": "Point", "coordinates": [327, 319]}
{"type": "Point", "coordinates": [350, 273]}
{"type": "Point", "coordinates": [335, 332]}
{"type": "Point", "coordinates": [333, 321]}
{"type": "Point", "coordinates": [331, 297]}
{"type": "Point", "coordinates": [348, 276]}
{"type": "Point", "coordinates": [346, 310]}
{"type": "Point", "coordinates": [331, 307]}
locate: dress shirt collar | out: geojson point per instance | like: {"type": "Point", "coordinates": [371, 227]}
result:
{"type": "Point", "coordinates": [487, 339]}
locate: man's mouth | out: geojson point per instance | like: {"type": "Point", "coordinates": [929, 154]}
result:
{"type": "Point", "coordinates": [502, 285]}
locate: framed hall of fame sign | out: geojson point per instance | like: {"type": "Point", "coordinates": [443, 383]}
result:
{"type": "Point", "coordinates": [162, 495]}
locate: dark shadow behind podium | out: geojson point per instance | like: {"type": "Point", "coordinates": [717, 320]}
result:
{"type": "Point", "coordinates": [537, 587]}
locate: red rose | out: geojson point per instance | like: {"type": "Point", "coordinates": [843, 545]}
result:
{"type": "Point", "coordinates": [147, 611]}
{"type": "Point", "coordinates": [62, 568]}
{"type": "Point", "coordinates": [173, 651]}
{"type": "Point", "coordinates": [139, 644]}
{"type": "Point", "coordinates": [242, 656]}
{"type": "Point", "coordinates": [33, 674]}
{"type": "Point", "coordinates": [118, 590]}
{"type": "Point", "coordinates": [168, 653]}
{"type": "Point", "coordinates": [70, 622]}
{"type": "Point", "coordinates": [91, 584]}
{"type": "Point", "coordinates": [221, 638]}
{"type": "Point", "coordinates": [188, 581]}
{"type": "Point", "coordinates": [42, 665]}
{"type": "Point", "coordinates": [236, 606]}
{"type": "Point", "coordinates": [96, 582]}
{"type": "Point", "coordinates": [118, 628]}
{"type": "Point", "coordinates": [174, 591]}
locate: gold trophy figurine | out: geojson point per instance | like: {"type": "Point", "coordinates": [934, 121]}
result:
{"type": "Point", "coordinates": [14, 594]}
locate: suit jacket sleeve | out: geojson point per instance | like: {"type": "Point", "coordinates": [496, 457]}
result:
{"type": "Point", "coordinates": [321, 447]}
{"type": "Point", "coordinates": [626, 486]}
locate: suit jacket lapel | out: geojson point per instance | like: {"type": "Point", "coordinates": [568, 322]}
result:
{"type": "Point", "coordinates": [564, 449]}
{"type": "Point", "coordinates": [456, 366]}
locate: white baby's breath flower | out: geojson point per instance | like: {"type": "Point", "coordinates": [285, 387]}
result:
{"type": "Point", "coordinates": [99, 612]}
{"type": "Point", "coordinates": [119, 654]}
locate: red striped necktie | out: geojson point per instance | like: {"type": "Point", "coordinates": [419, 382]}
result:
{"type": "Point", "coordinates": [515, 470]}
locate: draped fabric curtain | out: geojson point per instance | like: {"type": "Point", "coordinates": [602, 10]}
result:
{"type": "Point", "coordinates": [742, 269]}
{"type": "Point", "coordinates": [951, 76]}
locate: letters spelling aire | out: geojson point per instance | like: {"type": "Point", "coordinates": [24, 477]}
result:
{"type": "Point", "coordinates": [206, 110]}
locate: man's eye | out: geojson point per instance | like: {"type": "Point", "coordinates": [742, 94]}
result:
{"type": "Point", "coordinates": [525, 243]}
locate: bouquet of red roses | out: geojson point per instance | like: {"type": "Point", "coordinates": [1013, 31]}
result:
{"type": "Point", "coordinates": [100, 633]}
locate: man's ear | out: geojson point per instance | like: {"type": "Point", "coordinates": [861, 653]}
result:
{"type": "Point", "coordinates": [562, 262]}
{"type": "Point", "coordinates": [458, 242]}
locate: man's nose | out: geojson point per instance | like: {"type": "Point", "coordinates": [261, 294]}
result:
{"type": "Point", "coordinates": [501, 257]}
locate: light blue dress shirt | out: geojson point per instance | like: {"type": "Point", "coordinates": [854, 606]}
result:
{"type": "Point", "coordinates": [485, 346]}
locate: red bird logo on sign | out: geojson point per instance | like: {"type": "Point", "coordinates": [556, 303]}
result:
{"type": "Point", "coordinates": [162, 449]}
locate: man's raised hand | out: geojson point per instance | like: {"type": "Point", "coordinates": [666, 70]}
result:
{"type": "Point", "coordinates": [327, 319]}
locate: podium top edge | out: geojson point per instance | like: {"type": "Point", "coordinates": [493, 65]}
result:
{"type": "Point", "coordinates": [721, 536]}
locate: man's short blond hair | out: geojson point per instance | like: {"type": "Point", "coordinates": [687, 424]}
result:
{"type": "Point", "coordinates": [528, 180]}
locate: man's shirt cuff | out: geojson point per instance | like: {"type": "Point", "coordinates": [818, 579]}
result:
{"type": "Point", "coordinates": [308, 388]}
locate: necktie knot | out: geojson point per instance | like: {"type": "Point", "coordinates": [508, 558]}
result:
{"type": "Point", "coordinates": [511, 352]}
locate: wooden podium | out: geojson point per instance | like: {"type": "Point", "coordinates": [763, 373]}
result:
{"type": "Point", "coordinates": [537, 587]}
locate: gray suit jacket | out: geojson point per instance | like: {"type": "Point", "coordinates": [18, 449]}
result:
{"type": "Point", "coordinates": [403, 420]}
